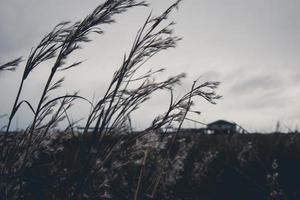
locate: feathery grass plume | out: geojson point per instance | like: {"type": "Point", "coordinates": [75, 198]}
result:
{"type": "Point", "coordinates": [45, 50]}
{"type": "Point", "coordinates": [176, 114]}
{"type": "Point", "coordinates": [65, 41]}
{"type": "Point", "coordinates": [78, 33]}
{"type": "Point", "coordinates": [66, 38]}
{"type": "Point", "coordinates": [120, 99]}
{"type": "Point", "coordinates": [147, 43]}
{"type": "Point", "coordinates": [11, 65]}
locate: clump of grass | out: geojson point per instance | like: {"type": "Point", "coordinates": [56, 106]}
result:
{"type": "Point", "coordinates": [93, 162]}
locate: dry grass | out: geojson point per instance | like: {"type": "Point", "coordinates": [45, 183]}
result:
{"type": "Point", "coordinates": [94, 163]}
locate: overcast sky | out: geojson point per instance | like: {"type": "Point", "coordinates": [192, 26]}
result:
{"type": "Point", "coordinates": [251, 46]}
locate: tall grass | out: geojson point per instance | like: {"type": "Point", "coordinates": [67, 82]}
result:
{"type": "Point", "coordinates": [87, 172]}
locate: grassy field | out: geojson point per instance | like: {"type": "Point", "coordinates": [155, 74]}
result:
{"type": "Point", "coordinates": [252, 166]}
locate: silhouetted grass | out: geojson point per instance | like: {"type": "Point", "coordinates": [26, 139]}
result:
{"type": "Point", "coordinates": [43, 163]}
{"type": "Point", "coordinates": [250, 166]}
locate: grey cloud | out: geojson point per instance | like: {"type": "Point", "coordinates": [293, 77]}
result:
{"type": "Point", "coordinates": [252, 85]}
{"type": "Point", "coordinates": [211, 75]}
{"type": "Point", "coordinates": [267, 101]}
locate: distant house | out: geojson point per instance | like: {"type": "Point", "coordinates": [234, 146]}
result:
{"type": "Point", "coordinates": [221, 126]}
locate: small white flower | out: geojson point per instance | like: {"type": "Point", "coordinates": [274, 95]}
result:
{"type": "Point", "coordinates": [106, 195]}
{"type": "Point", "coordinates": [274, 164]}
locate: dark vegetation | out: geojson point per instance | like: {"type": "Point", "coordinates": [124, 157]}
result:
{"type": "Point", "coordinates": [249, 166]}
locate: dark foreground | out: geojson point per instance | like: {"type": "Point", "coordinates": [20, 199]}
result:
{"type": "Point", "coordinates": [206, 167]}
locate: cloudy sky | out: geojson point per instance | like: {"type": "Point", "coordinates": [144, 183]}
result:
{"type": "Point", "coordinates": [251, 46]}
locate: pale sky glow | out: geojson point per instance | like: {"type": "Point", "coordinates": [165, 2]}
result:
{"type": "Point", "coordinates": [251, 46]}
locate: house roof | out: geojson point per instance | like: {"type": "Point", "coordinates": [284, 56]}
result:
{"type": "Point", "coordinates": [220, 122]}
